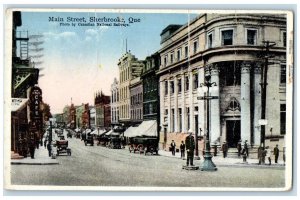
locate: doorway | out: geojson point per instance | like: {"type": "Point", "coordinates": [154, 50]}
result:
{"type": "Point", "coordinates": [233, 132]}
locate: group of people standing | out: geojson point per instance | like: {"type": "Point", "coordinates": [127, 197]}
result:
{"type": "Point", "coordinates": [264, 153]}
{"type": "Point", "coordinates": [243, 150]}
{"type": "Point", "coordinates": [188, 146]}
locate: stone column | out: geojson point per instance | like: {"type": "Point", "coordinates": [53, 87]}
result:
{"type": "Point", "coordinates": [169, 106]}
{"type": "Point", "coordinates": [162, 103]}
{"type": "Point", "coordinates": [191, 105]}
{"type": "Point", "coordinates": [257, 104]}
{"type": "Point", "coordinates": [245, 103]}
{"type": "Point", "coordinates": [183, 103]}
{"type": "Point", "coordinates": [215, 106]}
{"type": "Point", "coordinates": [176, 105]}
{"type": "Point", "coordinates": [201, 113]}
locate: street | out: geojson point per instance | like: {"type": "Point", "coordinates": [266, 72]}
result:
{"type": "Point", "coordinates": [100, 166]}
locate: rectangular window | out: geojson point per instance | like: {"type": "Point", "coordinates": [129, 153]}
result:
{"type": "Point", "coordinates": [173, 120]}
{"type": "Point", "coordinates": [209, 40]}
{"type": "Point", "coordinates": [231, 75]}
{"type": "Point", "coordinates": [166, 87]}
{"type": "Point", "coordinates": [188, 117]}
{"type": "Point", "coordinates": [227, 37]}
{"type": "Point", "coordinates": [179, 85]}
{"type": "Point", "coordinates": [195, 46]}
{"type": "Point", "coordinates": [251, 36]}
{"type": "Point", "coordinates": [187, 83]}
{"type": "Point", "coordinates": [180, 119]}
{"type": "Point", "coordinates": [284, 38]}
{"type": "Point", "coordinates": [172, 87]}
{"type": "Point", "coordinates": [195, 81]}
{"type": "Point", "coordinates": [178, 55]}
{"type": "Point", "coordinates": [165, 60]}
{"type": "Point", "coordinates": [282, 73]}
{"type": "Point", "coordinates": [282, 119]}
{"type": "Point", "coordinates": [172, 59]}
{"type": "Point", "coordinates": [186, 51]}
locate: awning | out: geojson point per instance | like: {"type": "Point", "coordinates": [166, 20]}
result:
{"type": "Point", "coordinates": [18, 104]}
{"type": "Point", "coordinates": [111, 132]}
{"type": "Point", "coordinates": [148, 128]}
{"type": "Point", "coordinates": [96, 132]}
{"type": "Point", "coordinates": [131, 132]}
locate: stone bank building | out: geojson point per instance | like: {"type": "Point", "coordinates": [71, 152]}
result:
{"type": "Point", "coordinates": [231, 46]}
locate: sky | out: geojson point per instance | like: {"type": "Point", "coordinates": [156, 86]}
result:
{"type": "Point", "coordinates": [80, 60]}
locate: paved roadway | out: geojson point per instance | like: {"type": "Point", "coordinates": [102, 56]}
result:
{"type": "Point", "coordinates": [100, 166]}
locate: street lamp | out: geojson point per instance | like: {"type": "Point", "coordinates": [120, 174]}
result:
{"type": "Point", "coordinates": [207, 165]}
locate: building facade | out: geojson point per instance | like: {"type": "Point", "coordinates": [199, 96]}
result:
{"type": "Point", "coordinates": [230, 49]}
{"type": "Point", "coordinates": [129, 68]}
{"type": "Point", "coordinates": [103, 111]}
{"type": "Point", "coordinates": [136, 100]}
{"type": "Point", "coordinates": [114, 102]}
{"type": "Point", "coordinates": [150, 88]}
{"type": "Point", "coordinates": [93, 117]}
{"type": "Point", "coordinates": [26, 114]}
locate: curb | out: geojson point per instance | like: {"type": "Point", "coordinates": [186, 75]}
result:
{"type": "Point", "coordinates": [26, 163]}
{"type": "Point", "coordinates": [249, 165]}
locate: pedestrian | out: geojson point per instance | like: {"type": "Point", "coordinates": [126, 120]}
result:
{"type": "Point", "coordinates": [182, 149]}
{"type": "Point", "coordinates": [260, 154]}
{"type": "Point", "coordinates": [173, 147]}
{"type": "Point", "coordinates": [49, 148]}
{"type": "Point", "coordinates": [239, 147]}
{"type": "Point", "coordinates": [244, 155]}
{"type": "Point", "coordinates": [225, 149]}
{"type": "Point", "coordinates": [45, 143]}
{"type": "Point", "coordinates": [276, 153]}
{"type": "Point", "coordinates": [246, 148]}
{"type": "Point", "coordinates": [268, 154]}
{"type": "Point", "coordinates": [190, 147]}
{"type": "Point", "coordinates": [32, 145]}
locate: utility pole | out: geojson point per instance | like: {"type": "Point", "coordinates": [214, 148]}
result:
{"type": "Point", "coordinates": [264, 83]}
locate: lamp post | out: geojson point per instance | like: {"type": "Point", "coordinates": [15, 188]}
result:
{"type": "Point", "coordinates": [207, 165]}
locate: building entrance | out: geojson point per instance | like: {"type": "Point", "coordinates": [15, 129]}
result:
{"type": "Point", "coordinates": [233, 132]}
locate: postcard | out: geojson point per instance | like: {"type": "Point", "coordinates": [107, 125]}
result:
{"type": "Point", "coordinates": [148, 100]}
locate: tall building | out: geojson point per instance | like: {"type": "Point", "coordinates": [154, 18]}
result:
{"type": "Point", "coordinates": [129, 68]}
{"type": "Point", "coordinates": [150, 88]}
{"type": "Point", "coordinates": [103, 111]}
{"type": "Point", "coordinates": [136, 100]}
{"type": "Point", "coordinates": [228, 47]}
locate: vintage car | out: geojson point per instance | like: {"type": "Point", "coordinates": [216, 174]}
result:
{"type": "Point", "coordinates": [114, 143]}
{"type": "Point", "coordinates": [102, 140]}
{"type": "Point", "coordinates": [89, 140]}
{"type": "Point", "coordinates": [62, 147]}
{"type": "Point", "coordinates": [144, 145]}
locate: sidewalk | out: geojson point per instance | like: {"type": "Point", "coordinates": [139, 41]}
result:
{"type": "Point", "coordinates": [220, 161]}
{"type": "Point", "coordinates": [40, 158]}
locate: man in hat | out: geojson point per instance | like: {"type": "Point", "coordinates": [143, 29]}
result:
{"type": "Point", "coordinates": [190, 147]}
{"type": "Point", "coordinates": [225, 149]}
